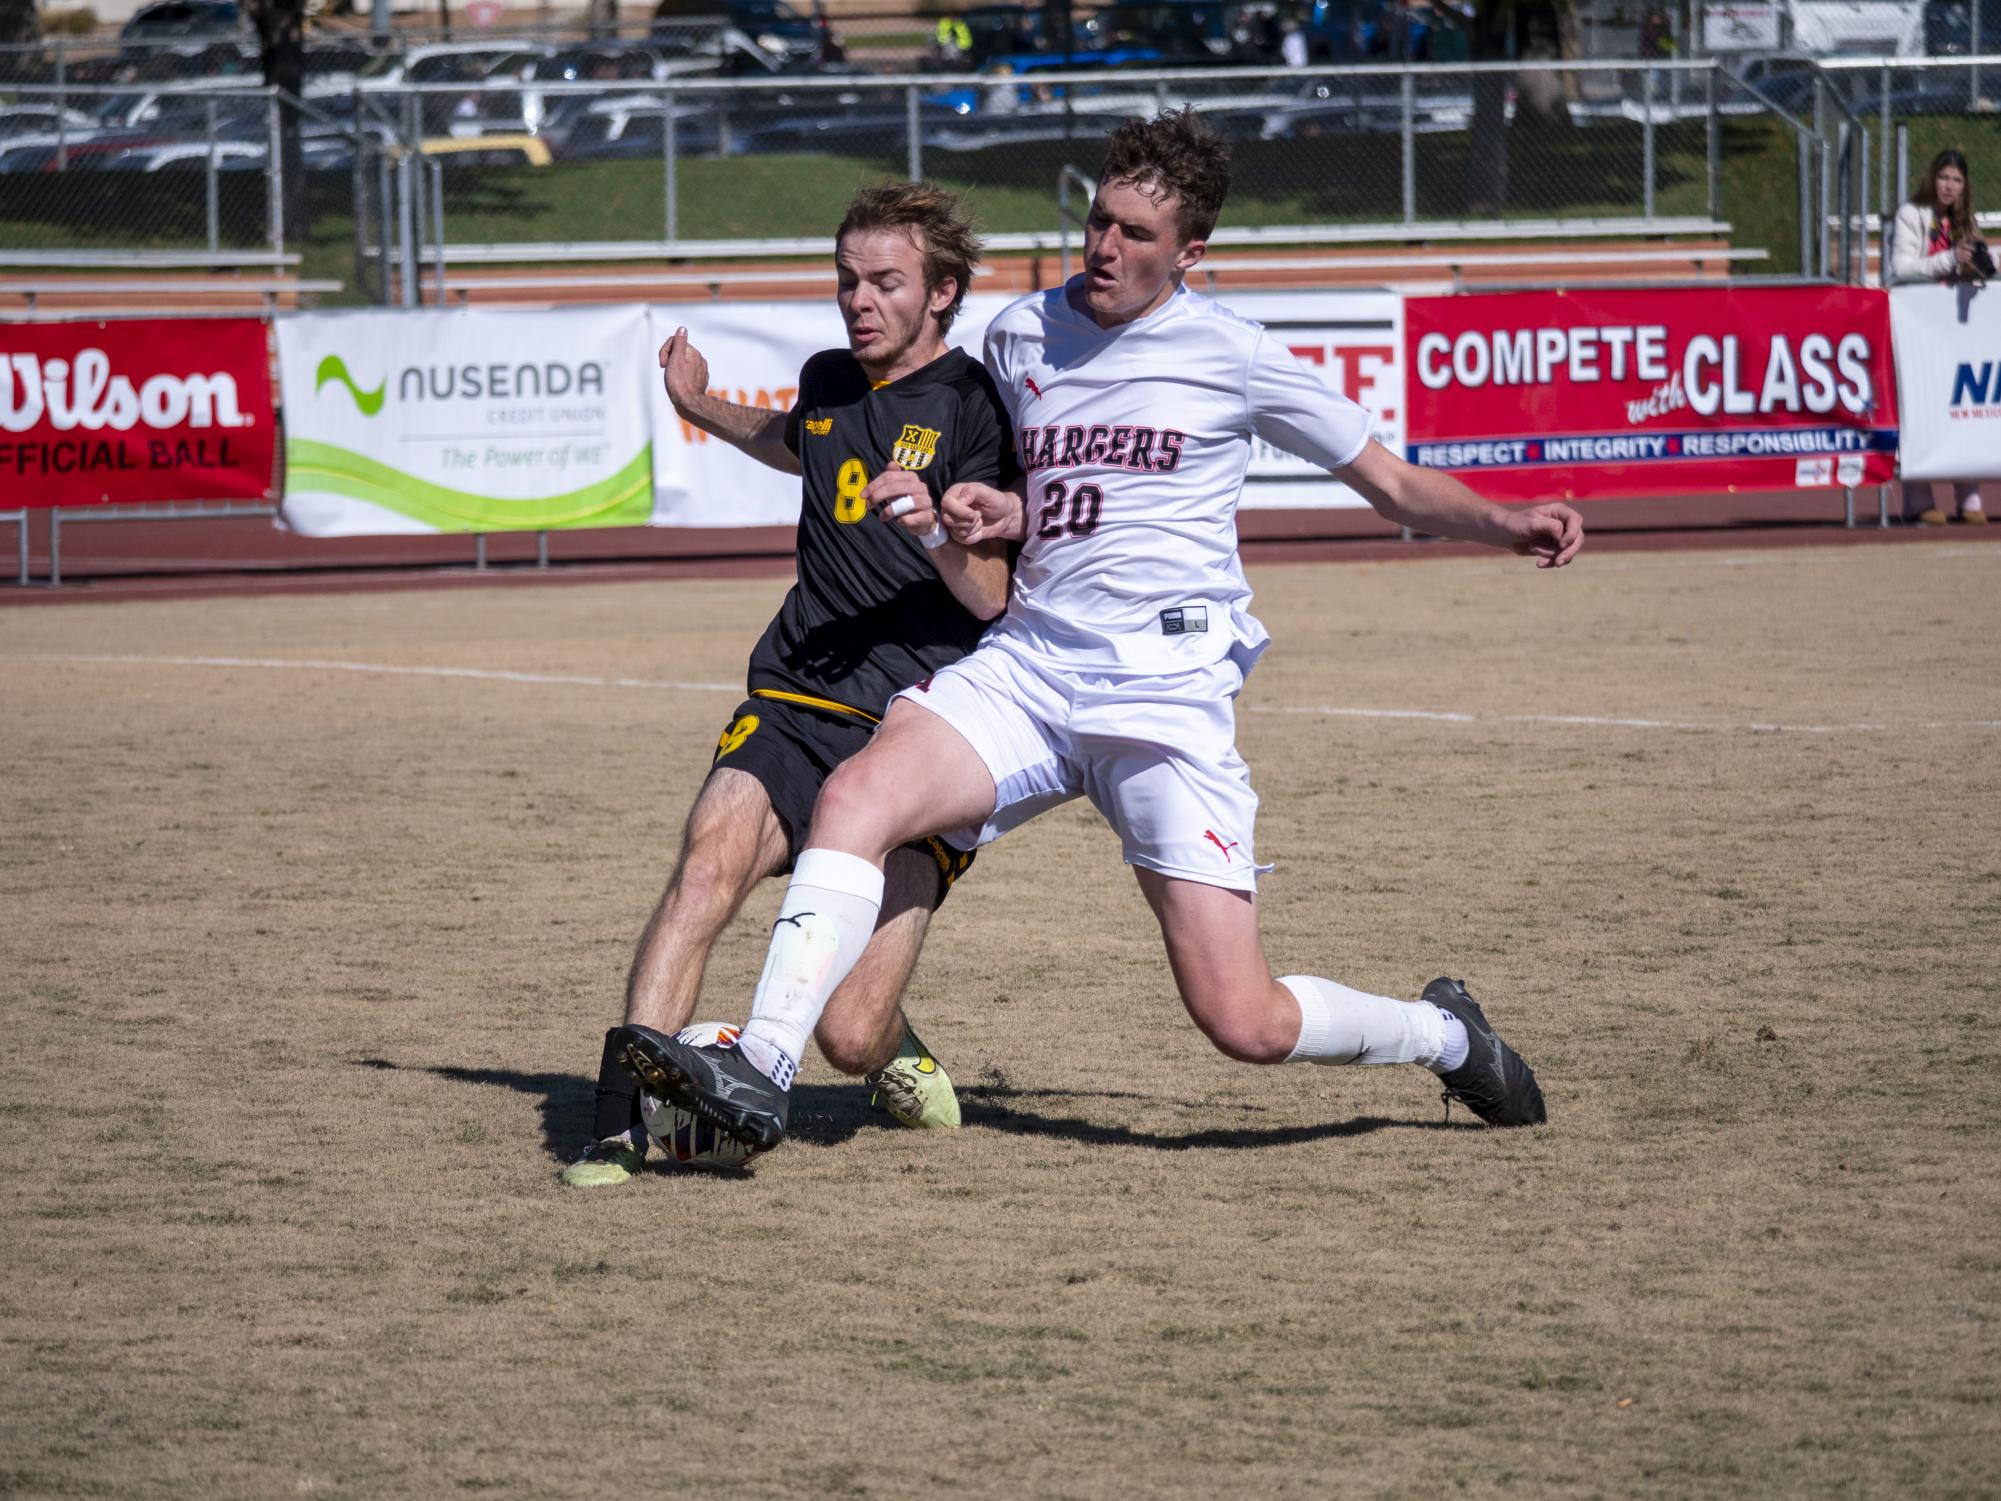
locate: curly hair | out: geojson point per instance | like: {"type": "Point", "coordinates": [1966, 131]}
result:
{"type": "Point", "coordinates": [933, 220]}
{"type": "Point", "coordinates": [1177, 153]}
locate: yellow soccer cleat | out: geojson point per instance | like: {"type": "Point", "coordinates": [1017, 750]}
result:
{"type": "Point", "coordinates": [605, 1163]}
{"type": "Point", "coordinates": [915, 1088]}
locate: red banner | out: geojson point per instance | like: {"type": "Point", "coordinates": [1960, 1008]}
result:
{"type": "Point", "coordinates": [151, 409]}
{"type": "Point", "coordinates": [1598, 395]}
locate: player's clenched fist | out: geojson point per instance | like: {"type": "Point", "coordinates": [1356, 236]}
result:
{"type": "Point", "coordinates": [683, 368]}
{"type": "Point", "coordinates": [978, 513]}
{"type": "Point", "coordinates": [900, 496]}
{"type": "Point", "coordinates": [1552, 532]}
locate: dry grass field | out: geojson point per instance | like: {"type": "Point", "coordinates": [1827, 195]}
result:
{"type": "Point", "coordinates": [315, 910]}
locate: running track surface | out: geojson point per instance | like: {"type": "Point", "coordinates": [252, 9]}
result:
{"type": "Point", "coordinates": [193, 559]}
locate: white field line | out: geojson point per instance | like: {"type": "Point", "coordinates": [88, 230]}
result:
{"type": "Point", "coordinates": [1330, 711]}
{"type": "Point", "coordinates": [1792, 557]}
{"type": "Point", "coordinates": [308, 664]}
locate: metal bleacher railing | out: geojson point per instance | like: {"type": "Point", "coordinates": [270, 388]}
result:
{"type": "Point", "coordinates": [413, 181]}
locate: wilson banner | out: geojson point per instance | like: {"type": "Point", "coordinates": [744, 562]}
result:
{"type": "Point", "coordinates": [1949, 380]}
{"type": "Point", "coordinates": [1592, 395]}
{"type": "Point", "coordinates": [466, 421]}
{"type": "Point", "coordinates": [140, 410]}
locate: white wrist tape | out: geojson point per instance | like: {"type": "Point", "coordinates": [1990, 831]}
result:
{"type": "Point", "coordinates": [937, 537]}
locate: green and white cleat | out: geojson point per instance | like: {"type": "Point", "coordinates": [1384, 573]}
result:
{"type": "Point", "coordinates": [914, 1087]}
{"type": "Point", "coordinates": [604, 1164]}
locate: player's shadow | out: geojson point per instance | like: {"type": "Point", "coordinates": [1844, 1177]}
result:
{"type": "Point", "coordinates": [993, 1107]}
{"type": "Point", "coordinates": [825, 1114]}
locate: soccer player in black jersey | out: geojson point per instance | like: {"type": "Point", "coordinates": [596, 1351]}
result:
{"type": "Point", "coordinates": [884, 598]}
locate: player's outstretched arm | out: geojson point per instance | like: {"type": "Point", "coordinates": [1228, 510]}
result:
{"type": "Point", "coordinates": [977, 575]}
{"type": "Point", "coordinates": [758, 431]}
{"type": "Point", "coordinates": [1433, 502]}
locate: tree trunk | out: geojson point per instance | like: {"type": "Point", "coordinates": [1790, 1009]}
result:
{"type": "Point", "coordinates": [281, 42]}
{"type": "Point", "coordinates": [1487, 149]}
{"type": "Point", "coordinates": [20, 25]}
{"type": "Point", "coordinates": [1507, 30]}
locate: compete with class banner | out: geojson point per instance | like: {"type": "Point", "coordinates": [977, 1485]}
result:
{"type": "Point", "coordinates": [1598, 395]}
{"type": "Point", "coordinates": [1949, 380]}
{"type": "Point", "coordinates": [135, 411]}
{"type": "Point", "coordinates": [754, 351]}
{"type": "Point", "coordinates": [465, 421]}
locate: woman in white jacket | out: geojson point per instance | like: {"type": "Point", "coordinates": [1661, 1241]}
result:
{"type": "Point", "coordinates": [1933, 239]}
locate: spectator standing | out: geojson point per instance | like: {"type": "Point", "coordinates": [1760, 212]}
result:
{"type": "Point", "coordinates": [1292, 43]}
{"type": "Point", "coordinates": [1935, 238]}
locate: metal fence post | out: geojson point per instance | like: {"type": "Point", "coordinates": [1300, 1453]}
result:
{"type": "Point", "coordinates": [384, 239]}
{"type": "Point", "coordinates": [1826, 193]}
{"type": "Point", "coordinates": [1713, 143]}
{"type": "Point", "coordinates": [214, 225]}
{"type": "Point", "coordinates": [1845, 175]}
{"type": "Point", "coordinates": [916, 140]}
{"type": "Point", "coordinates": [1883, 155]}
{"type": "Point", "coordinates": [1903, 176]}
{"type": "Point", "coordinates": [1804, 140]}
{"type": "Point", "coordinates": [669, 167]}
{"type": "Point", "coordinates": [62, 108]}
{"type": "Point", "coordinates": [360, 176]}
{"type": "Point", "coordinates": [406, 226]}
{"type": "Point", "coordinates": [1408, 130]}
{"type": "Point", "coordinates": [1858, 205]}
{"type": "Point", "coordinates": [1647, 147]}
{"type": "Point", "coordinates": [275, 178]}
{"type": "Point", "coordinates": [1973, 46]}
{"type": "Point", "coordinates": [437, 167]}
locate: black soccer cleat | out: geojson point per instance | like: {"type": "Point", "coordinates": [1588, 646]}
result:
{"type": "Point", "coordinates": [718, 1084]}
{"type": "Point", "coordinates": [1493, 1082]}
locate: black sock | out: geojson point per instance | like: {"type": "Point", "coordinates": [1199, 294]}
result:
{"type": "Point", "coordinates": [617, 1096]}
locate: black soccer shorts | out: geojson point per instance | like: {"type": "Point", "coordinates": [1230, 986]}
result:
{"type": "Point", "coordinates": [792, 749]}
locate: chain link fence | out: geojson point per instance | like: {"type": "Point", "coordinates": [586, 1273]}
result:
{"type": "Point", "coordinates": [610, 153]}
{"type": "Point", "coordinates": [137, 168]}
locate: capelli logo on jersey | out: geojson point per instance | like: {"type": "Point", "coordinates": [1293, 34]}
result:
{"type": "Point", "coordinates": [819, 427]}
{"type": "Point", "coordinates": [916, 448]}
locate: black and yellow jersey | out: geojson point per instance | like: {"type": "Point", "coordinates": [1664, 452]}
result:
{"type": "Point", "coordinates": [869, 615]}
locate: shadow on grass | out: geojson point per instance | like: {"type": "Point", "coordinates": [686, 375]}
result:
{"type": "Point", "coordinates": [829, 1114]}
{"type": "Point", "coordinates": [992, 1107]}
{"type": "Point", "coordinates": [824, 1114]}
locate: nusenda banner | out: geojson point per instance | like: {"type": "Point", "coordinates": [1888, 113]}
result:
{"type": "Point", "coordinates": [1598, 395]}
{"type": "Point", "coordinates": [141, 410]}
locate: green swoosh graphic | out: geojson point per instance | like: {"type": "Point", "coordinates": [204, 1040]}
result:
{"type": "Point", "coordinates": [333, 367]}
{"type": "Point", "coordinates": [621, 499]}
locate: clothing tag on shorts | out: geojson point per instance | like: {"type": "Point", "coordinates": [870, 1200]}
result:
{"type": "Point", "coordinates": [1184, 620]}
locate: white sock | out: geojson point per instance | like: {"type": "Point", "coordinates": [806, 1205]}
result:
{"type": "Point", "coordinates": [1339, 1025]}
{"type": "Point", "coordinates": [823, 925]}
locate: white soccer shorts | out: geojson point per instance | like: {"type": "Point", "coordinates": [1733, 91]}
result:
{"type": "Point", "coordinates": [1157, 756]}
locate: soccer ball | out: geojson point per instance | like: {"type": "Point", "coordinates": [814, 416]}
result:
{"type": "Point", "coordinates": [687, 1139]}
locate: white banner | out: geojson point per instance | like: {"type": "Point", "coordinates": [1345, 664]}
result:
{"type": "Point", "coordinates": [1948, 343]}
{"type": "Point", "coordinates": [1752, 27]}
{"type": "Point", "coordinates": [465, 421]}
{"type": "Point", "coordinates": [755, 350]}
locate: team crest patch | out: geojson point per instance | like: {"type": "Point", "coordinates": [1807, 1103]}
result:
{"type": "Point", "coordinates": [917, 447]}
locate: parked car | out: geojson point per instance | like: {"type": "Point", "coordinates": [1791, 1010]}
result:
{"type": "Point", "coordinates": [771, 26]}
{"type": "Point", "coordinates": [176, 21]}
{"type": "Point", "coordinates": [43, 119]}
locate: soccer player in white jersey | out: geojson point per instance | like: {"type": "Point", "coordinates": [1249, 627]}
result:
{"type": "Point", "coordinates": [1113, 673]}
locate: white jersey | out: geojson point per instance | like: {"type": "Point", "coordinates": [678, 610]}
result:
{"type": "Point", "coordinates": [1134, 443]}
